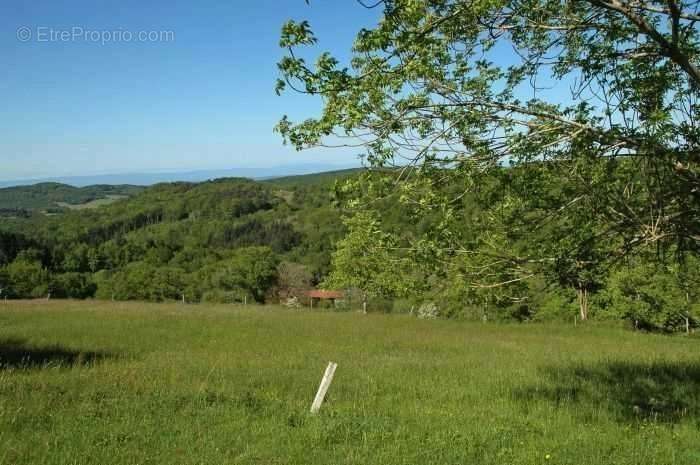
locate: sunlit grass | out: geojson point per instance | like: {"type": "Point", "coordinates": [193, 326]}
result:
{"type": "Point", "coordinates": [90, 382]}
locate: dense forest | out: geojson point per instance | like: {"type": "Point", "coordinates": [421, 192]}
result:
{"type": "Point", "coordinates": [235, 240]}
{"type": "Point", "coordinates": [225, 240]}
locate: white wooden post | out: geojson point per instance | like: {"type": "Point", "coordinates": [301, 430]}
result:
{"type": "Point", "coordinates": [323, 388]}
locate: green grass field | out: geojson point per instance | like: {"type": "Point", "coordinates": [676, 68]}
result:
{"type": "Point", "coordinates": [103, 383]}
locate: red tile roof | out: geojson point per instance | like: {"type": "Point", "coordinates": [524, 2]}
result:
{"type": "Point", "coordinates": [324, 294]}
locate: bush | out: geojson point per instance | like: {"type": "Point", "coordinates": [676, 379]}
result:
{"type": "Point", "coordinates": [380, 305]}
{"type": "Point", "coordinates": [27, 279]}
{"type": "Point", "coordinates": [73, 285]}
{"type": "Point", "coordinates": [428, 310]}
{"type": "Point", "coordinates": [652, 297]}
{"type": "Point", "coordinates": [558, 305]}
{"type": "Point", "coordinates": [404, 306]}
{"type": "Point", "coordinates": [141, 281]}
{"type": "Point", "coordinates": [220, 296]}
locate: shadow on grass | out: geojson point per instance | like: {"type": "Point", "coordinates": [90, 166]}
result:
{"type": "Point", "coordinates": [17, 354]}
{"type": "Point", "coordinates": [661, 391]}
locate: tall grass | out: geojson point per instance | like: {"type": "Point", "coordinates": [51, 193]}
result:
{"type": "Point", "coordinates": [101, 383]}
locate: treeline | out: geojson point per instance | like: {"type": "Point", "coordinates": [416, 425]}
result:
{"type": "Point", "coordinates": [222, 241]}
{"type": "Point", "coordinates": [511, 248]}
{"type": "Point", "coordinates": [235, 240]}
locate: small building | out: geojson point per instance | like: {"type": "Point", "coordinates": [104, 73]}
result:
{"type": "Point", "coordinates": [316, 295]}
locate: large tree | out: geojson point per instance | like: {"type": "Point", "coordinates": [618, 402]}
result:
{"type": "Point", "coordinates": [599, 96]}
{"type": "Point", "coordinates": [363, 261]}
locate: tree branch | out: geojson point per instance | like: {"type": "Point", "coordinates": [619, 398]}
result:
{"type": "Point", "coordinates": [668, 49]}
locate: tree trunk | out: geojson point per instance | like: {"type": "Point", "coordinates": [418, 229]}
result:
{"type": "Point", "coordinates": [582, 295]}
{"type": "Point", "coordinates": [687, 316]}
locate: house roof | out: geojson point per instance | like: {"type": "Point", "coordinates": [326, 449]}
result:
{"type": "Point", "coordinates": [324, 294]}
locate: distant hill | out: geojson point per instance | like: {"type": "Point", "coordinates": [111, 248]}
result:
{"type": "Point", "coordinates": [218, 241]}
{"type": "Point", "coordinates": [149, 179]}
{"type": "Point", "coordinates": [51, 197]}
{"type": "Point", "coordinates": [326, 177]}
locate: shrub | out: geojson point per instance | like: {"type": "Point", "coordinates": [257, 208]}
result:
{"type": "Point", "coordinates": [428, 310]}
{"type": "Point", "coordinates": [73, 285]}
{"type": "Point", "coordinates": [651, 296]}
{"type": "Point", "coordinates": [27, 279]}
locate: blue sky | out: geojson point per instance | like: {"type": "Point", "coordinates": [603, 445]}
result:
{"type": "Point", "coordinates": [203, 100]}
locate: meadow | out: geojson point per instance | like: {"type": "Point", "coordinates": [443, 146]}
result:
{"type": "Point", "coordinates": [132, 383]}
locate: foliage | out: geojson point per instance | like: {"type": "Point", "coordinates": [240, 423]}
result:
{"type": "Point", "coordinates": [236, 240]}
{"type": "Point", "coordinates": [428, 311]}
{"type": "Point", "coordinates": [553, 304]}
{"type": "Point", "coordinates": [27, 277]}
{"type": "Point", "coordinates": [293, 279]}
{"type": "Point", "coordinates": [252, 270]}
{"type": "Point", "coordinates": [562, 133]}
{"type": "Point", "coordinates": [141, 281]}
{"type": "Point", "coordinates": [180, 239]}
{"type": "Point", "coordinates": [363, 260]}
{"type": "Point", "coordinates": [655, 296]}
{"type": "Point", "coordinates": [433, 84]}
{"type": "Point", "coordinates": [72, 285]}
{"type": "Point", "coordinates": [12, 244]}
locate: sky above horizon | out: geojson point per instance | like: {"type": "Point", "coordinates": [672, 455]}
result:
{"type": "Point", "coordinates": [94, 87]}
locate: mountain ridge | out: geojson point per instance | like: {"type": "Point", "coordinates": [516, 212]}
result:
{"type": "Point", "coordinates": [151, 178]}
{"type": "Point", "coordinates": [54, 197]}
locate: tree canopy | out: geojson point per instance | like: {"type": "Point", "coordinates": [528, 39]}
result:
{"type": "Point", "coordinates": [573, 124]}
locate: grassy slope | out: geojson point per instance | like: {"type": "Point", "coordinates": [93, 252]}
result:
{"type": "Point", "coordinates": [212, 385]}
{"type": "Point", "coordinates": [97, 203]}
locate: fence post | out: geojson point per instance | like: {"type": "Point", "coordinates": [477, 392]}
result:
{"type": "Point", "coordinates": [323, 388]}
